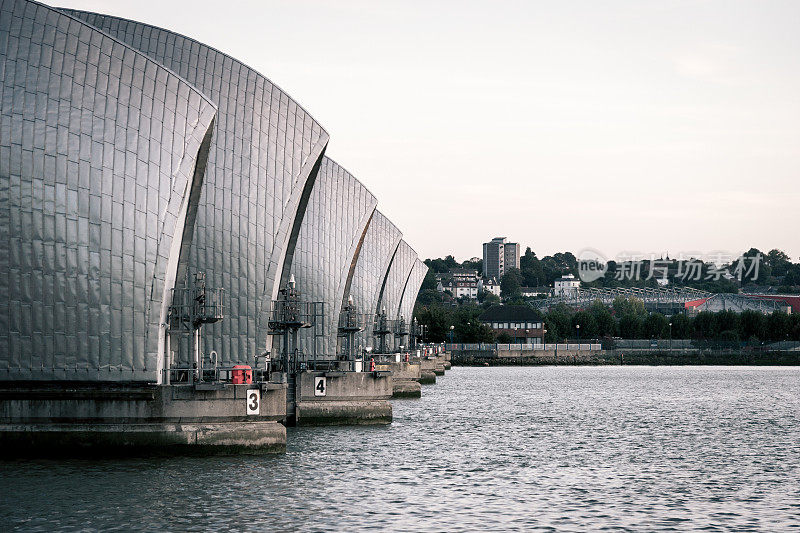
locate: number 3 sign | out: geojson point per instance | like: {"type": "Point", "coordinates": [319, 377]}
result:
{"type": "Point", "coordinates": [253, 402]}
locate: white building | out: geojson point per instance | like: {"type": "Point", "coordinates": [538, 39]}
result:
{"type": "Point", "coordinates": [566, 285]}
{"type": "Point", "coordinates": [461, 282]}
{"type": "Point", "coordinates": [533, 292]}
{"type": "Point", "coordinates": [491, 286]}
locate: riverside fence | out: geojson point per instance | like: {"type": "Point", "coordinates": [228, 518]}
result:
{"type": "Point", "coordinates": [483, 347]}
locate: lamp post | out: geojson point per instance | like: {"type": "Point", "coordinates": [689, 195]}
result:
{"type": "Point", "coordinates": [670, 336]}
{"type": "Point", "coordinates": [544, 343]}
{"type": "Point", "coordinates": [451, 333]}
{"type": "Point", "coordinates": [578, 329]}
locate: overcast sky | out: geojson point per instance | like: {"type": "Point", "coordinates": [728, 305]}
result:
{"type": "Point", "coordinates": [659, 126]}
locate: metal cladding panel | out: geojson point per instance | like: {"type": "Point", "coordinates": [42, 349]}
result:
{"type": "Point", "coordinates": [99, 147]}
{"type": "Point", "coordinates": [402, 264]}
{"type": "Point", "coordinates": [262, 158]}
{"type": "Point", "coordinates": [338, 211]}
{"type": "Point", "coordinates": [380, 242]}
{"type": "Point", "coordinates": [411, 291]}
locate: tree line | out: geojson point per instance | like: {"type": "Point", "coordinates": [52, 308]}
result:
{"type": "Point", "coordinates": [627, 318]}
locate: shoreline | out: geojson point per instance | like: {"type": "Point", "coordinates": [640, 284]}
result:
{"type": "Point", "coordinates": [656, 358]}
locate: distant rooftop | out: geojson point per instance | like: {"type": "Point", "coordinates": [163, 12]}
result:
{"type": "Point", "coordinates": [502, 313]}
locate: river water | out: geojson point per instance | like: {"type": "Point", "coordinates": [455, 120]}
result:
{"type": "Point", "coordinates": [503, 448]}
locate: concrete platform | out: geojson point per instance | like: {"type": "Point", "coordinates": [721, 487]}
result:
{"type": "Point", "coordinates": [63, 419]}
{"type": "Point", "coordinates": [346, 398]}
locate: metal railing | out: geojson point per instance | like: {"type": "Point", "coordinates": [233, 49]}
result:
{"type": "Point", "coordinates": [294, 314]}
{"type": "Point", "coordinates": [216, 374]}
{"type": "Point", "coordinates": [653, 298]}
{"type": "Point", "coordinates": [193, 306]}
{"type": "Point", "coordinates": [350, 320]}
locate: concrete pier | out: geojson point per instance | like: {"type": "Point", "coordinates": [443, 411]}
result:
{"type": "Point", "coordinates": [343, 398]}
{"type": "Point", "coordinates": [439, 370]}
{"type": "Point", "coordinates": [405, 378]}
{"type": "Point", "coordinates": [428, 367]}
{"type": "Point", "coordinates": [406, 389]}
{"type": "Point", "coordinates": [163, 419]}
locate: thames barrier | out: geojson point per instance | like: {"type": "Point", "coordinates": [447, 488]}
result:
{"type": "Point", "coordinates": [183, 266]}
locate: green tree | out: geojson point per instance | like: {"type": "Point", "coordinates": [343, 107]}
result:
{"type": "Point", "coordinates": [442, 265]}
{"type": "Point", "coordinates": [728, 321]}
{"type": "Point", "coordinates": [778, 261]}
{"type": "Point", "coordinates": [629, 326]}
{"type": "Point", "coordinates": [558, 322]}
{"type": "Point", "coordinates": [794, 333]}
{"type": "Point", "coordinates": [473, 265]}
{"type": "Point", "coordinates": [705, 325]}
{"type": "Point", "coordinates": [468, 327]}
{"type": "Point", "coordinates": [438, 320]}
{"type": "Point", "coordinates": [430, 281]}
{"type": "Point", "coordinates": [606, 325]}
{"type": "Point", "coordinates": [428, 297]}
{"type": "Point", "coordinates": [728, 338]}
{"type": "Point", "coordinates": [681, 327]}
{"type": "Point", "coordinates": [752, 324]}
{"type": "Point", "coordinates": [473, 331]}
{"type": "Point", "coordinates": [629, 307]}
{"type": "Point", "coordinates": [511, 283]}
{"type": "Point", "coordinates": [531, 269]}
{"type": "Point", "coordinates": [655, 326]}
{"type": "Point", "coordinates": [791, 281]}
{"type": "Point", "coordinates": [488, 299]}
{"type": "Point", "coordinates": [744, 266]}
{"type": "Point", "coordinates": [587, 323]}
{"type": "Point", "coordinates": [778, 326]}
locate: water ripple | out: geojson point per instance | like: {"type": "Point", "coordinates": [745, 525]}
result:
{"type": "Point", "coordinates": [518, 449]}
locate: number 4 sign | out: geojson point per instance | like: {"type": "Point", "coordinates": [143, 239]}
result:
{"type": "Point", "coordinates": [253, 402]}
{"type": "Point", "coordinates": [320, 385]}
